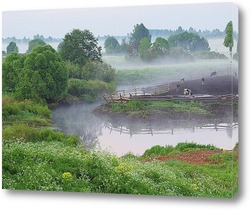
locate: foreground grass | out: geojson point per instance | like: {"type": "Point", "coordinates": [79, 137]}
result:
{"type": "Point", "coordinates": [58, 166]}
{"type": "Point", "coordinates": [38, 158]}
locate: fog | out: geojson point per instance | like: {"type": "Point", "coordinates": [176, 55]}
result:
{"type": "Point", "coordinates": [123, 135]}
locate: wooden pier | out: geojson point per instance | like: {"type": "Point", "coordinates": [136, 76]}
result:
{"type": "Point", "coordinates": [220, 89]}
{"type": "Point", "coordinates": [196, 98]}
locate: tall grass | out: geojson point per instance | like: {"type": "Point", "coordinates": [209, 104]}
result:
{"type": "Point", "coordinates": [54, 166]}
{"type": "Point", "coordinates": [25, 111]}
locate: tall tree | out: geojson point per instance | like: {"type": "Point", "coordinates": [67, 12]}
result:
{"type": "Point", "coordinates": [10, 69]}
{"type": "Point", "coordinates": [35, 43]}
{"type": "Point", "coordinates": [144, 49]}
{"type": "Point", "coordinates": [80, 46]}
{"type": "Point", "coordinates": [160, 47]}
{"type": "Point", "coordinates": [229, 40]}
{"type": "Point", "coordinates": [42, 76]}
{"type": "Point", "coordinates": [139, 32]}
{"type": "Point", "coordinates": [189, 42]}
{"type": "Point", "coordinates": [111, 45]}
{"type": "Point", "coordinates": [12, 47]}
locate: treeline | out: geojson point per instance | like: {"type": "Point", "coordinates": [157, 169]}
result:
{"type": "Point", "coordinates": [208, 34]}
{"type": "Point", "coordinates": [181, 45]}
{"type": "Point", "coordinates": [27, 40]}
{"type": "Point", "coordinates": [42, 74]}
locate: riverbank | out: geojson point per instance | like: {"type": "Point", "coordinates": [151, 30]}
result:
{"type": "Point", "coordinates": [35, 157]}
{"type": "Point", "coordinates": [59, 166]}
{"type": "Point", "coordinates": [160, 110]}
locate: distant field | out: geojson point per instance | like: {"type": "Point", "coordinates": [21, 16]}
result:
{"type": "Point", "coordinates": [141, 73]}
{"type": "Point", "coordinates": [145, 74]}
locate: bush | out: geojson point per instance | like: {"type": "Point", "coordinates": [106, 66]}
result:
{"type": "Point", "coordinates": [20, 132]}
{"type": "Point", "coordinates": [209, 55]}
{"type": "Point", "coordinates": [24, 111]}
{"type": "Point", "coordinates": [180, 147]}
{"type": "Point", "coordinates": [89, 90]}
{"type": "Point", "coordinates": [24, 133]}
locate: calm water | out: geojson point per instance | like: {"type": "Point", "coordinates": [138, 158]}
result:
{"type": "Point", "coordinates": [121, 136]}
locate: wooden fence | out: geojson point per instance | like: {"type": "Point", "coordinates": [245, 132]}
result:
{"type": "Point", "coordinates": [198, 98]}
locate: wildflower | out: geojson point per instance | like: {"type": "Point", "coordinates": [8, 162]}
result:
{"type": "Point", "coordinates": [194, 186]}
{"type": "Point", "coordinates": [123, 167]}
{"type": "Point", "coordinates": [67, 176]}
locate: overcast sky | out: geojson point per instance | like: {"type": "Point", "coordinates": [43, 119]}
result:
{"type": "Point", "coordinates": [118, 20]}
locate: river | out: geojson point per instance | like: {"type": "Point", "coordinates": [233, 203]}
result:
{"type": "Point", "coordinates": [120, 136]}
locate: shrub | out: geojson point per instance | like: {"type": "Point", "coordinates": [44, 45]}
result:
{"type": "Point", "coordinates": [89, 90]}
{"type": "Point", "coordinates": [25, 111]}
{"type": "Point", "coordinates": [22, 132]}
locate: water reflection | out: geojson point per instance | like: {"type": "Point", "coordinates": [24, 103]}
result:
{"type": "Point", "coordinates": [172, 127]}
{"type": "Point", "coordinates": [119, 135]}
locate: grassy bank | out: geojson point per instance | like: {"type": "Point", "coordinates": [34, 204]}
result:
{"type": "Point", "coordinates": [37, 158]}
{"type": "Point", "coordinates": [164, 109]}
{"type": "Point", "coordinates": [59, 166]}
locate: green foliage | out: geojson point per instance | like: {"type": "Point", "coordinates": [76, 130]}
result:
{"type": "Point", "coordinates": [80, 46]}
{"type": "Point", "coordinates": [89, 90]}
{"type": "Point", "coordinates": [10, 70]}
{"type": "Point", "coordinates": [160, 48]}
{"type": "Point", "coordinates": [24, 133]}
{"type": "Point", "coordinates": [139, 32]}
{"type": "Point", "coordinates": [52, 165]}
{"type": "Point", "coordinates": [124, 46]}
{"type": "Point", "coordinates": [144, 49]}
{"type": "Point", "coordinates": [43, 76]}
{"type": "Point", "coordinates": [35, 43]}
{"type": "Point", "coordinates": [12, 47]}
{"type": "Point", "coordinates": [25, 111]}
{"type": "Point", "coordinates": [189, 42]}
{"type": "Point", "coordinates": [98, 71]}
{"type": "Point", "coordinates": [111, 45]}
{"type": "Point", "coordinates": [91, 71]}
{"type": "Point", "coordinates": [158, 151]}
{"type": "Point", "coordinates": [164, 108]}
{"type": "Point", "coordinates": [179, 148]}
{"type": "Point", "coordinates": [127, 107]}
{"type": "Point", "coordinates": [229, 40]}
{"type": "Point", "coordinates": [223, 157]}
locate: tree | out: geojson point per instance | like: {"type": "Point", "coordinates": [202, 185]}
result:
{"type": "Point", "coordinates": [10, 69]}
{"type": "Point", "coordinates": [144, 49]}
{"type": "Point", "coordinates": [139, 32]}
{"type": "Point", "coordinates": [111, 45]}
{"type": "Point", "coordinates": [124, 46]}
{"type": "Point", "coordinates": [42, 76]}
{"type": "Point", "coordinates": [35, 43]}
{"type": "Point", "coordinates": [160, 47]}
{"type": "Point", "coordinates": [189, 41]}
{"type": "Point", "coordinates": [95, 70]}
{"type": "Point", "coordinates": [80, 46]}
{"type": "Point", "coordinates": [12, 47]}
{"type": "Point", "coordinates": [229, 40]}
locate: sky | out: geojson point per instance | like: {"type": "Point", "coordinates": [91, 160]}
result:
{"type": "Point", "coordinates": [117, 20]}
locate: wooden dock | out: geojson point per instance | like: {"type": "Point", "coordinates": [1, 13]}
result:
{"type": "Point", "coordinates": [196, 98]}
{"type": "Point", "coordinates": [220, 89]}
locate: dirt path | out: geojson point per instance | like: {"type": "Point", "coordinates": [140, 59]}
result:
{"type": "Point", "coordinates": [194, 157]}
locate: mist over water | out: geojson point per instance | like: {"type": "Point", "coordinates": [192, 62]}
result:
{"type": "Point", "coordinates": [120, 136]}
